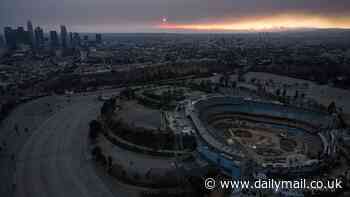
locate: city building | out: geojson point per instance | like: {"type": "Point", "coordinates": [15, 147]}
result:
{"type": "Point", "coordinates": [76, 40]}
{"type": "Point", "coordinates": [10, 37]}
{"type": "Point", "coordinates": [39, 37]}
{"type": "Point", "coordinates": [54, 43]}
{"type": "Point", "coordinates": [98, 38]}
{"type": "Point", "coordinates": [2, 42]}
{"type": "Point", "coordinates": [64, 36]}
{"type": "Point", "coordinates": [30, 33]}
{"type": "Point", "coordinates": [71, 39]}
{"type": "Point", "coordinates": [22, 36]}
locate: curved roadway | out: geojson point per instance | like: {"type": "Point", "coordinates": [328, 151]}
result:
{"type": "Point", "coordinates": [52, 158]}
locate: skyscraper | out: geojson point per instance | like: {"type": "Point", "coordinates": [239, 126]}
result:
{"type": "Point", "coordinates": [30, 33]}
{"type": "Point", "coordinates": [10, 37]}
{"type": "Point", "coordinates": [2, 42]}
{"type": "Point", "coordinates": [98, 38]}
{"type": "Point", "coordinates": [54, 39]}
{"type": "Point", "coordinates": [76, 40]}
{"type": "Point", "coordinates": [71, 40]}
{"type": "Point", "coordinates": [64, 36]}
{"type": "Point", "coordinates": [39, 37]}
{"type": "Point", "coordinates": [22, 36]}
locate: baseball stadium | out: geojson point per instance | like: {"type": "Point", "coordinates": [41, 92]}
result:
{"type": "Point", "coordinates": [244, 136]}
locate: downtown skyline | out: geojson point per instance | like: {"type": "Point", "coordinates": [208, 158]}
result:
{"type": "Point", "coordinates": [19, 36]}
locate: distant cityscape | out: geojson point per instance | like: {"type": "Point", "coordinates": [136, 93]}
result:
{"type": "Point", "coordinates": [34, 61]}
{"type": "Point", "coordinates": [37, 39]}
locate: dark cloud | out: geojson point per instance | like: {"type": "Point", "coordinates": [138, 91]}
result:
{"type": "Point", "coordinates": [119, 14]}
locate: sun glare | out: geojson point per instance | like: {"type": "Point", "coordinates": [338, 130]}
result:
{"type": "Point", "coordinates": [265, 23]}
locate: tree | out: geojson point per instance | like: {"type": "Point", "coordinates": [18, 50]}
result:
{"type": "Point", "coordinates": [342, 122]}
{"type": "Point", "coordinates": [233, 84]}
{"type": "Point", "coordinates": [296, 95]}
{"type": "Point", "coordinates": [104, 109]}
{"type": "Point", "coordinates": [95, 129]}
{"type": "Point", "coordinates": [108, 107]}
{"type": "Point", "coordinates": [222, 80]}
{"type": "Point", "coordinates": [109, 163]}
{"type": "Point", "coordinates": [128, 92]}
{"type": "Point", "coordinates": [96, 152]}
{"type": "Point", "coordinates": [278, 92]}
{"type": "Point", "coordinates": [332, 107]}
{"type": "Point", "coordinates": [284, 93]}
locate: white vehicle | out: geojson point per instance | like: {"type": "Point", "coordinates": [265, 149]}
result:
{"type": "Point", "coordinates": [67, 92]}
{"type": "Point", "coordinates": [103, 98]}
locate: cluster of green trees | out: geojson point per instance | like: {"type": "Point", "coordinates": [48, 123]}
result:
{"type": "Point", "coordinates": [128, 93]}
{"type": "Point", "coordinates": [100, 157]}
{"type": "Point", "coordinates": [150, 138]}
{"type": "Point", "coordinates": [210, 87]}
{"type": "Point", "coordinates": [108, 107]}
{"type": "Point", "coordinates": [143, 137]}
{"type": "Point", "coordinates": [163, 100]}
{"type": "Point", "coordinates": [6, 108]}
{"type": "Point", "coordinates": [204, 86]}
{"type": "Point", "coordinates": [283, 97]}
{"type": "Point", "coordinates": [95, 128]}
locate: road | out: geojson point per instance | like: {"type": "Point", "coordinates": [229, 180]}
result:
{"type": "Point", "coordinates": [51, 159]}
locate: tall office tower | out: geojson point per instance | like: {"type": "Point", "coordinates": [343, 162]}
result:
{"type": "Point", "coordinates": [54, 43]}
{"type": "Point", "coordinates": [71, 41]}
{"type": "Point", "coordinates": [39, 37]}
{"type": "Point", "coordinates": [22, 36]}
{"type": "Point", "coordinates": [30, 33]}
{"type": "Point", "coordinates": [64, 36]}
{"type": "Point", "coordinates": [98, 38]}
{"type": "Point", "coordinates": [10, 37]}
{"type": "Point", "coordinates": [2, 43]}
{"type": "Point", "coordinates": [76, 39]}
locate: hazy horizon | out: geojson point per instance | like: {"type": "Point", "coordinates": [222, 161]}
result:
{"type": "Point", "coordinates": [126, 16]}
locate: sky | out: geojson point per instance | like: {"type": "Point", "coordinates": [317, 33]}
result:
{"type": "Point", "coordinates": [176, 15]}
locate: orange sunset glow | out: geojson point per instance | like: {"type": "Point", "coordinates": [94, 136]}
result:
{"type": "Point", "coordinates": [265, 23]}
